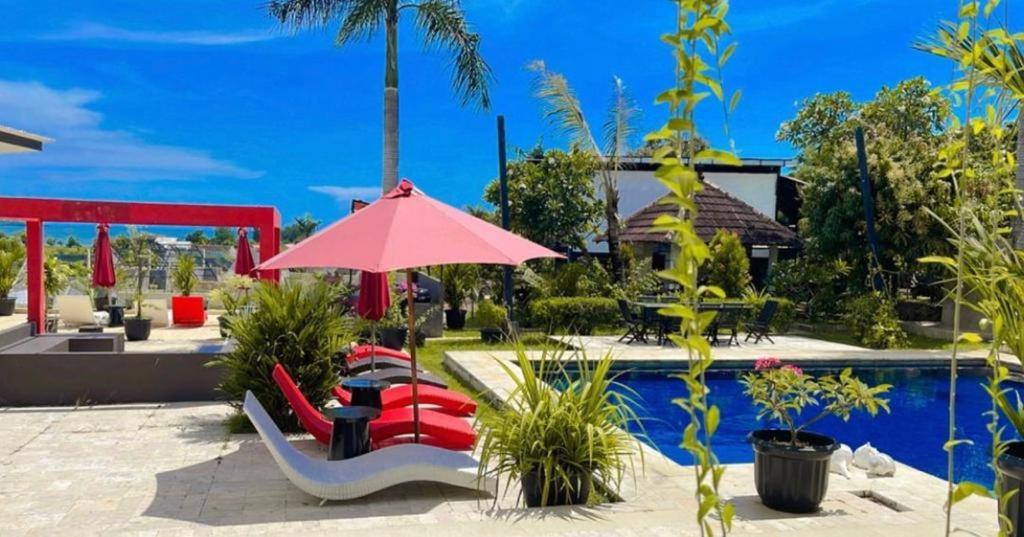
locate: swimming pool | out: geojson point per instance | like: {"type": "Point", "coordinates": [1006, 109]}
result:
{"type": "Point", "coordinates": [913, 433]}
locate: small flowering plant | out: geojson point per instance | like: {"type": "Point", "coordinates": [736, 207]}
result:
{"type": "Point", "coordinates": [782, 392]}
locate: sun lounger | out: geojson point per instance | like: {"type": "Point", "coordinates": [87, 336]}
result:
{"type": "Point", "coordinates": [398, 375]}
{"type": "Point", "coordinates": [364, 351]}
{"type": "Point", "coordinates": [75, 310]}
{"type": "Point", "coordinates": [355, 367]}
{"type": "Point", "coordinates": [156, 310]}
{"type": "Point", "coordinates": [436, 429]}
{"type": "Point", "coordinates": [446, 401]}
{"type": "Point", "coordinates": [366, 474]}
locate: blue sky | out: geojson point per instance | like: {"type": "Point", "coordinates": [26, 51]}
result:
{"type": "Point", "coordinates": [181, 102]}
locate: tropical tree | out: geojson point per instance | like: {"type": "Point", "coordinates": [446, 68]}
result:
{"type": "Point", "coordinates": [551, 197]}
{"type": "Point", "coordinates": [441, 23]}
{"type": "Point", "coordinates": [300, 228]}
{"type": "Point", "coordinates": [563, 109]}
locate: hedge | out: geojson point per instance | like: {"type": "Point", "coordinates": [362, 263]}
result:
{"type": "Point", "coordinates": [577, 314]}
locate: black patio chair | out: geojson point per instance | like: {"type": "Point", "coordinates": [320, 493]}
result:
{"type": "Point", "coordinates": [760, 328]}
{"type": "Point", "coordinates": [728, 319]}
{"type": "Point", "coordinates": [636, 330]}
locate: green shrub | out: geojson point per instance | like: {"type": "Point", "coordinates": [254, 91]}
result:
{"type": "Point", "coordinates": [872, 318]}
{"type": "Point", "coordinates": [577, 314]}
{"type": "Point", "coordinates": [489, 315]}
{"type": "Point", "coordinates": [785, 315]}
{"type": "Point", "coordinates": [728, 267]}
{"type": "Point", "coordinates": [818, 283]}
{"type": "Point", "coordinates": [296, 325]}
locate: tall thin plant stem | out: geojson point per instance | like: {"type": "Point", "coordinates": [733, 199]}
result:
{"type": "Point", "coordinates": [959, 290]}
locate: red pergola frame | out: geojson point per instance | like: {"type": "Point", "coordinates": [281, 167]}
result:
{"type": "Point", "coordinates": [37, 211]}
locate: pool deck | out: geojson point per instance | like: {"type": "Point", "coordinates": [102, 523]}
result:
{"type": "Point", "coordinates": [171, 469]}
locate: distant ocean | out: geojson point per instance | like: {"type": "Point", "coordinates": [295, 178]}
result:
{"type": "Point", "coordinates": [86, 233]}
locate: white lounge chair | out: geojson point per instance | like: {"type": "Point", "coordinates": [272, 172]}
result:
{"type": "Point", "coordinates": [76, 310]}
{"type": "Point", "coordinates": [366, 474]}
{"type": "Point", "coordinates": [156, 309]}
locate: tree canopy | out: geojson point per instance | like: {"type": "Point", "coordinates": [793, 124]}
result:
{"type": "Point", "coordinates": [551, 197]}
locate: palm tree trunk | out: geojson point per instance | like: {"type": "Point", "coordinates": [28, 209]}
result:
{"type": "Point", "coordinates": [1017, 237]}
{"type": "Point", "coordinates": [389, 167]}
{"type": "Point", "coordinates": [611, 214]}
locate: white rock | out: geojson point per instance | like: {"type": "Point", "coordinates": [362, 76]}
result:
{"type": "Point", "coordinates": [840, 461]}
{"type": "Point", "coordinates": [882, 465]}
{"type": "Point", "coordinates": [863, 456]}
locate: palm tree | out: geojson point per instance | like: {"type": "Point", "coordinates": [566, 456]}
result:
{"type": "Point", "coordinates": [999, 60]}
{"type": "Point", "coordinates": [442, 24]}
{"type": "Point", "coordinates": [563, 109]}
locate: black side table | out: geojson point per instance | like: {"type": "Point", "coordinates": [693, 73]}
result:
{"type": "Point", "coordinates": [365, 392]}
{"type": "Point", "coordinates": [116, 315]}
{"type": "Point", "coordinates": [350, 436]}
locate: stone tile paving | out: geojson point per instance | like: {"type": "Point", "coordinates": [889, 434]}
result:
{"type": "Point", "coordinates": [171, 469]}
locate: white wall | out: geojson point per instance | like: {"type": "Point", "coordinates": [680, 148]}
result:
{"type": "Point", "coordinates": [754, 189]}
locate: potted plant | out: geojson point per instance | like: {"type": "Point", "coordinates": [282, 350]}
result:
{"type": "Point", "coordinates": [139, 255]}
{"type": "Point", "coordinates": [492, 320]}
{"type": "Point", "coordinates": [187, 310]}
{"type": "Point", "coordinates": [10, 265]}
{"type": "Point", "coordinates": [233, 294]}
{"type": "Point", "coordinates": [791, 464]}
{"type": "Point", "coordinates": [393, 327]}
{"type": "Point", "coordinates": [557, 442]}
{"type": "Point", "coordinates": [457, 281]}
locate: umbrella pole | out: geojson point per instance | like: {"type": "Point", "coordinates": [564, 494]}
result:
{"type": "Point", "coordinates": [411, 303]}
{"type": "Point", "coordinates": [373, 346]}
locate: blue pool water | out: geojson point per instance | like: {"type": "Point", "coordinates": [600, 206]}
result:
{"type": "Point", "coordinates": [913, 433]}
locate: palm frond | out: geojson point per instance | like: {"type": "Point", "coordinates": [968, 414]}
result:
{"type": "Point", "coordinates": [562, 107]}
{"type": "Point", "coordinates": [619, 126]}
{"type": "Point", "coordinates": [361, 19]}
{"type": "Point", "coordinates": [299, 14]}
{"type": "Point", "coordinates": [445, 26]}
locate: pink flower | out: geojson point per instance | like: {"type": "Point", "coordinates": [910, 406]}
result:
{"type": "Point", "coordinates": [767, 362]}
{"type": "Point", "coordinates": [794, 369]}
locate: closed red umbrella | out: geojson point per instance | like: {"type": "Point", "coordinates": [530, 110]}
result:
{"type": "Point", "coordinates": [374, 300]}
{"type": "Point", "coordinates": [244, 263]}
{"type": "Point", "coordinates": [103, 259]}
{"type": "Point", "coordinates": [403, 230]}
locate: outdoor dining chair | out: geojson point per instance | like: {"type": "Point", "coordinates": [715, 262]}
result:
{"type": "Point", "coordinates": [760, 328]}
{"type": "Point", "coordinates": [636, 330]}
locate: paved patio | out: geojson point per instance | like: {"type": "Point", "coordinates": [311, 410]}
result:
{"type": "Point", "coordinates": [171, 469]}
{"type": "Point", "coordinates": [162, 339]}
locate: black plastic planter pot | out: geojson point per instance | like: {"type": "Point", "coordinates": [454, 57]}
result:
{"type": "Point", "coordinates": [455, 319]}
{"type": "Point", "coordinates": [393, 338]}
{"type": "Point", "coordinates": [790, 478]}
{"type": "Point", "coordinates": [7, 306]}
{"type": "Point", "coordinates": [558, 494]}
{"type": "Point", "coordinates": [1011, 478]}
{"type": "Point", "coordinates": [225, 325]}
{"type": "Point", "coordinates": [491, 335]}
{"type": "Point", "coordinates": [136, 329]}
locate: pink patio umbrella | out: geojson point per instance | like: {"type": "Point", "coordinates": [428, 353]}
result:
{"type": "Point", "coordinates": [403, 230]}
{"type": "Point", "coordinates": [103, 259]}
{"type": "Point", "coordinates": [374, 300]}
{"type": "Point", "coordinates": [244, 263]}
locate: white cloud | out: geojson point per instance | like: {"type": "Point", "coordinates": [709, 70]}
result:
{"type": "Point", "coordinates": [102, 32]}
{"type": "Point", "coordinates": [83, 149]}
{"type": "Point", "coordinates": [348, 193]}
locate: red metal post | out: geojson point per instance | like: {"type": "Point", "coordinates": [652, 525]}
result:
{"type": "Point", "coordinates": [270, 244]}
{"type": "Point", "coordinates": [34, 268]}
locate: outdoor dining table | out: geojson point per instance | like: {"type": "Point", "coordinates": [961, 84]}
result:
{"type": "Point", "coordinates": [650, 316]}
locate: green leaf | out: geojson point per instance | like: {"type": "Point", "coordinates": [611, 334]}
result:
{"type": "Point", "coordinates": [966, 489]}
{"type": "Point", "coordinates": [713, 418]}
{"type": "Point", "coordinates": [970, 337]}
{"type": "Point", "coordinates": [735, 100]}
{"type": "Point", "coordinates": [726, 54]}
